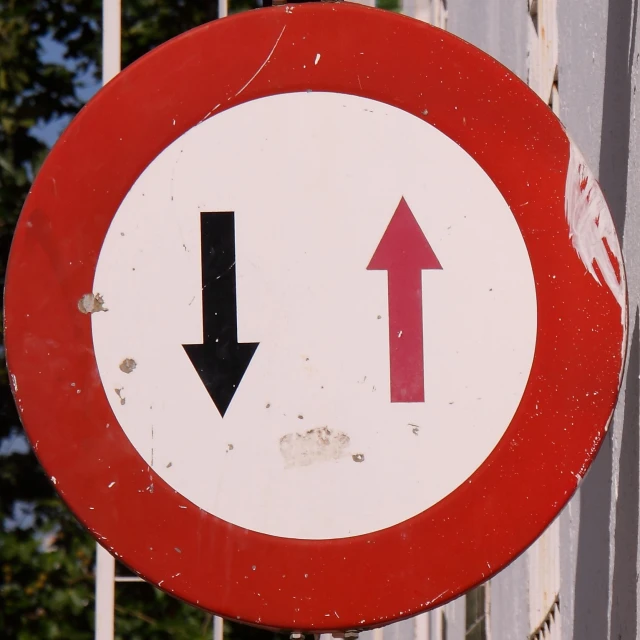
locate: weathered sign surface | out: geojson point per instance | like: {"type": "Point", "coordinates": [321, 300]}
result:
{"type": "Point", "coordinates": [316, 317]}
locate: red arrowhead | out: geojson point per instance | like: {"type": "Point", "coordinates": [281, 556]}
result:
{"type": "Point", "coordinates": [404, 253]}
{"type": "Point", "coordinates": [403, 245]}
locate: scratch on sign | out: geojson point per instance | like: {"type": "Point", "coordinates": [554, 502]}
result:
{"type": "Point", "coordinates": [251, 79]}
{"type": "Point", "coordinates": [210, 113]}
{"type": "Point", "coordinates": [264, 64]}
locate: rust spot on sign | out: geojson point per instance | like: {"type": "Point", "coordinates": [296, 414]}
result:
{"type": "Point", "coordinates": [128, 365]}
{"type": "Point", "coordinates": [91, 303]}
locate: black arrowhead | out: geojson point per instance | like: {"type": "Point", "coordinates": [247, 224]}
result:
{"type": "Point", "coordinates": [220, 360]}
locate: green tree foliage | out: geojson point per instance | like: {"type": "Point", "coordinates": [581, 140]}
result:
{"type": "Point", "coordinates": [46, 558]}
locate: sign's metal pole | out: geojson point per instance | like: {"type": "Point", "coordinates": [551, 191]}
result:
{"type": "Point", "coordinates": [105, 562]}
{"type": "Point", "coordinates": [105, 594]}
{"type": "Point", "coordinates": [111, 34]}
{"type": "Point", "coordinates": [218, 628]}
{"type": "Point", "coordinates": [421, 627]}
{"type": "Point", "coordinates": [218, 623]}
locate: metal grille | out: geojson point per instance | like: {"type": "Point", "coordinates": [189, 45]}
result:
{"type": "Point", "coordinates": [543, 51]}
{"type": "Point", "coordinates": [544, 585]}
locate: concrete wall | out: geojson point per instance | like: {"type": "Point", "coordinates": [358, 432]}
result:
{"type": "Point", "coordinates": [598, 77]}
{"type": "Point", "coordinates": [498, 27]}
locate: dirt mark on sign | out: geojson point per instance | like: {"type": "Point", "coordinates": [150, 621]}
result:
{"type": "Point", "coordinates": [120, 394]}
{"type": "Point", "coordinates": [316, 445]}
{"type": "Point", "coordinates": [128, 365]}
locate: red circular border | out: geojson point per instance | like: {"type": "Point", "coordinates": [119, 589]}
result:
{"type": "Point", "coordinates": [350, 583]}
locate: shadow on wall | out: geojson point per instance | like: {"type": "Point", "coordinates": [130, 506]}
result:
{"type": "Point", "coordinates": [592, 599]}
{"type": "Point", "coordinates": [616, 105]}
{"type": "Point", "coordinates": [624, 617]}
{"type": "Point", "coordinates": [592, 602]}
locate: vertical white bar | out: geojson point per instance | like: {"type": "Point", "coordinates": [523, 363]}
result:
{"type": "Point", "coordinates": [378, 634]}
{"type": "Point", "coordinates": [435, 624]}
{"type": "Point", "coordinates": [421, 627]}
{"type": "Point", "coordinates": [487, 610]}
{"type": "Point", "coordinates": [419, 9]}
{"type": "Point", "coordinates": [111, 34]}
{"type": "Point", "coordinates": [218, 628]}
{"type": "Point", "coordinates": [105, 562]}
{"type": "Point", "coordinates": [223, 8]}
{"type": "Point", "coordinates": [105, 594]}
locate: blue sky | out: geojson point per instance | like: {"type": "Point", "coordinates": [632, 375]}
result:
{"type": "Point", "coordinates": [54, 52]}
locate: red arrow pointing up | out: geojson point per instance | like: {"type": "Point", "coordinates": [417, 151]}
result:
{"type": "Point", "coordinates": [404, 253]}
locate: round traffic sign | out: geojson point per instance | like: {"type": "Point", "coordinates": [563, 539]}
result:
{"type": "Point", "coordinates": [316, 317]}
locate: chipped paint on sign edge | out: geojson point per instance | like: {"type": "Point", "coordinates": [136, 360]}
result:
{"type": "Point", "coordinates": [590, 225]}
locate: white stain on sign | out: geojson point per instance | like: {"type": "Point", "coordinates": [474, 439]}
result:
{"type": "Point", "coordinates": [591, 227]}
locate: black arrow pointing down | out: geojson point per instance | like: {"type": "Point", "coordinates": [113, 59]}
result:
{"type": "Point", "coordinates": [221, 361]}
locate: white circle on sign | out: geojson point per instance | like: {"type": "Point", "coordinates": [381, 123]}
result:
{"type": "Point", "coordinates": [311, 445]}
